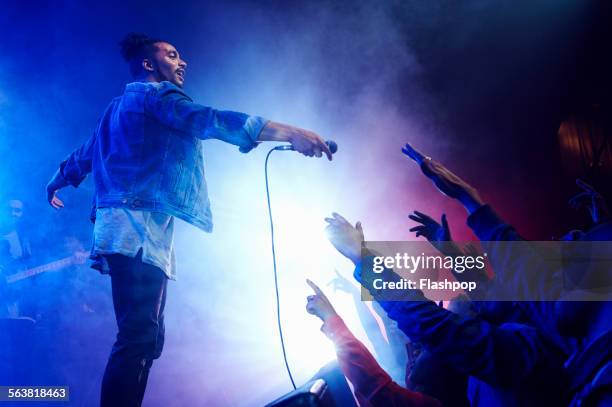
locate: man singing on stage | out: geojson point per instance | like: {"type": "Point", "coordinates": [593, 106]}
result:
{"type": "Point", "coordinates": [147, 166]}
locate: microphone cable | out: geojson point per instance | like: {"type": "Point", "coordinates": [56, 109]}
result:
{"type": "Point", "coordinates": [278, 314]}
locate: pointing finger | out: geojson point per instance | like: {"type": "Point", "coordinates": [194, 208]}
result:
{"type": "Point", "coordinates": [314, 287]}
{"type": "Point", "coordinates": [412, 153]}
{"type": "Point", "coordinates": [359, 227]}
{"type": "Point", "coordinates": [444, 221]}
{"type": "Point", "coordinates": [326, 150]}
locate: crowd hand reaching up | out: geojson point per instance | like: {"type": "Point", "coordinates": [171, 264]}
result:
{"type": "Point", "coordinates": [592, 200]}
{"type": "Point", "coordinates": [445, 180]}
{"type": "Point", "coordinates": [346, 238]}
{"type": "Point", "coordinates": [343, 284]}
{"type": "Point", "coordinates": [437, 234]}
{"type": "Point", "coordinates": [429, 228]}
{"type": "Point", "coordinates": [318, 304]}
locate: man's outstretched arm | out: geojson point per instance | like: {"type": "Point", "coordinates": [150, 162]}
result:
{"type": "Point", "coordinates": [172, 107]}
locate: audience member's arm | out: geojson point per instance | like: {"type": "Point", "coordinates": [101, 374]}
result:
{"type": "Point", "coordinates": [486, 223]}
{"type": "Point", "coordinates": [496, 355]}
{"type": "Point", "coordinates": [524, 274]}
{"type": "Point", "coordinates": [593, 201]}
{"type": "Point", "coordinates": [373, 386]}
{"type": "Point", "coordinates": [447, 182]}
{"type": "Point", "coordinates": [439, 235]}
{"type": "Point", "coordinates": [386, 352]}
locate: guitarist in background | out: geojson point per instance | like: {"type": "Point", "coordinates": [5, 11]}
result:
{"type": "Point", "coordinates": [15, 253]}
{"type": "Point", "coordinates": [26, 280]}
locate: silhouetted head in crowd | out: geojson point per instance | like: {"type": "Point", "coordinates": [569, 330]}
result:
{"type": "Point", "coordinates": [153, 59]}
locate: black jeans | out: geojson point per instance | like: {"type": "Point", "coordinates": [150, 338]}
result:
{"type": "Point", "coordinates": [139, 297]}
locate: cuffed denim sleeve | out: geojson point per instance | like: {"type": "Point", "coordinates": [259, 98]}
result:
{"type": "Point", "coordinates": [171, 106]}
{"type": "Point", "coordinates": [77, 165]}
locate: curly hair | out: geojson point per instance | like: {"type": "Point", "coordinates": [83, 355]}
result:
{"type": "Point", "coordinates": [135, 47]}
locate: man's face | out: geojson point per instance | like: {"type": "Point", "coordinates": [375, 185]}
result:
{"type": "Point", "coordinates": [15, 209]}
{"type": "Point", "coordinates": [12, 216]}
{"type": "Point", "coordinates": [168, 64]}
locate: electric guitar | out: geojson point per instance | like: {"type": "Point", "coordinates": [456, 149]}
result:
{"type": "Point", "coordinates": [77, 258]}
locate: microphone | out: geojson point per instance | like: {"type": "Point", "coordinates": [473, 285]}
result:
{"type": "Point", "coordinates": [333, 147]}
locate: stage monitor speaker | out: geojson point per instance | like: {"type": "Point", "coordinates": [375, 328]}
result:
{"type": "Point", "coordinates": [311, 394]}
{"type": "Point", "coordinates": [328, 388]}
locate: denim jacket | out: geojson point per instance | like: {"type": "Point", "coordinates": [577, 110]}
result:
{"type": "Point", "coordinates": [145, 153]}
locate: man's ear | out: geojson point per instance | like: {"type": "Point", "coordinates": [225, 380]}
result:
{"type": "Point", "coordinates": [147, 65]}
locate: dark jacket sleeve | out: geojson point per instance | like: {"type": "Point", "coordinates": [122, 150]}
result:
{"type": "Point", "coordinates": [501, 356]}
{"type": "Point", "coordinates": [522, 272]}
{"type": "Point", "coordinates": [489, 226]}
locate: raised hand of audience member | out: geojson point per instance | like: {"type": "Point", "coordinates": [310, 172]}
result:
{"type": "Point", "coordinates": [343, 284]}
{"type": "Point", "coordinates": [429, 228]}
{"type": "Point", "coordinates": [318, 304]}
{"type": "Point", "coordinates": [445, 180]}
{"type": "Point", "coordinates": [346, 238]}
{"type": "Point", "coordinates": [437, 234]}
{"type": "Point", "coordinates": [592, 200]}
